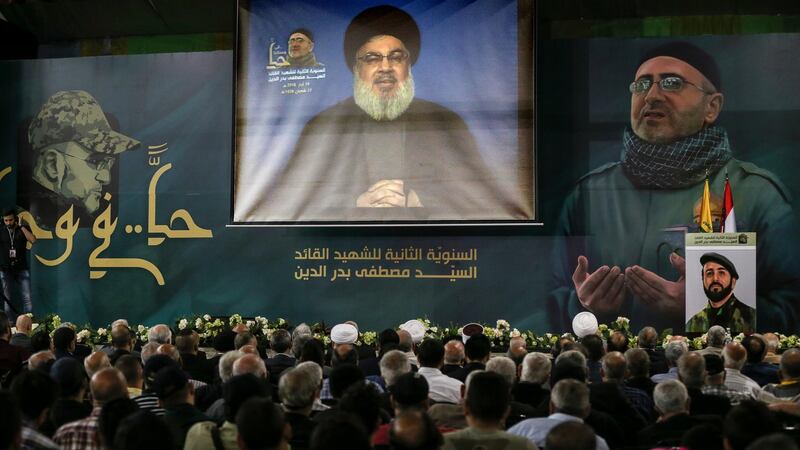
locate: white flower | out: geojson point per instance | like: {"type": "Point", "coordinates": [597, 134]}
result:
{"type": "Point", "coordinates": [101, 331]}
{"type": "Point", "coordinates": [183, 324]}
{"type": "Point", "coordinates": [623, 320]}
{"type": "Point", "coordinates": [206, 317]}
{"type": "Point", "coordinates": [198, 323]}
{"type": "Point", "coordinates": [250, 323]}
{"type": "Point", "coordinates": [434, 329]}
{"type": "Point", "coordinates": [461, 330]}
{"type": "Point", "coordinates": [503, 324]}
{"type": "Point", "coordinates": [141, 328]}
{"type": "Point", "coordinates": [515, 333]}
{"type": "Point", "coordinates": [83, 334]}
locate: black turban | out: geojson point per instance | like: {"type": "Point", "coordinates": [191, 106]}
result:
{"type": "Point", "coordinates": [379, 21]}
{"type": "Point", "coordinates": [690, 54]}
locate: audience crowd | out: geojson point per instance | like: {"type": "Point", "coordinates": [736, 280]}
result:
{"type": "Point", "coordinates": [407, 392]}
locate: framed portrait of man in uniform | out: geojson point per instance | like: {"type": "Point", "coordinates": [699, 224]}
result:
{"type": "Point", "coordinates": [721, 282]}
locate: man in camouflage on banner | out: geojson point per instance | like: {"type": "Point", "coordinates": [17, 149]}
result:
{"type": "Point", "coordinates": [724, 309]}
{"type": "Point", "coordinates": [74, 150]}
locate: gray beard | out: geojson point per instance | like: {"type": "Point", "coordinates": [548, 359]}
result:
{"type": "Point", "coordinates": [379, 107]}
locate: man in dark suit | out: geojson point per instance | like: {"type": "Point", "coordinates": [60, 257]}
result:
{"type": "Point", "coordinates": [648, 340]}
{"type": "Point", "coordinates": [692, 372]}
{"type": "Point", "coordinates": [478, 349]}
{"type": "Point", "coordinates": [194, 362]}
{"type": "Point", "coordinates": [672, 403]}
{"type": "Point", "coordinates": [281, 344]}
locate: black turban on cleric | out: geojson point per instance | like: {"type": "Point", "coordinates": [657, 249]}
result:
{"type": "Point", "coordinates": [381, 20]}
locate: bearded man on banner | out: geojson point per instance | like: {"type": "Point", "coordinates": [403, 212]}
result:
{"type": "Point", "coordinates": [623, 225]}
{"type": "Point", "coordinates": [385, 148]}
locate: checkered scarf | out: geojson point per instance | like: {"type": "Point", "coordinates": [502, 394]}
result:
{"type": "Point", "coordinates": [677, 165]}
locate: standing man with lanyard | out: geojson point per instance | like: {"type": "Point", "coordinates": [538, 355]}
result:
{"type": "Point", "coordinates": [14, 263]}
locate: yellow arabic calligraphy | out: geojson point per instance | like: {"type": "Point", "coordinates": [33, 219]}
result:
{"type": "Point", "coordinates": [5, 172]}
{"type": "Point", "coordinates": [65, 229]}
{"type": "Point", "coordinates": [103, 228]}
{"type": "Point", "coordinates": [191, 231]}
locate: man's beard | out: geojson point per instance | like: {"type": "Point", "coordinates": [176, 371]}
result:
{"type": "Point", "coordinates": [379, 107]}
{"type": "Point", "coordinates": [716, 296]}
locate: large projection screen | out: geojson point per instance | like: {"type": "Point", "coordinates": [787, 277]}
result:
{"type": "Point", "coordinates": [367, 113]}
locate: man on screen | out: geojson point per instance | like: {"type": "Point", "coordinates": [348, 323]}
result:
{"type": "Point", "coordinates": [74, 150]}
{"type": "Point", "coordinates": [384, 148]}
{"type": "Point", "coordinates": [620, 254]}
{"type": "Point", "coordinates": [724, 309]}
{"type": "Point", "coordinates": [301, 49]}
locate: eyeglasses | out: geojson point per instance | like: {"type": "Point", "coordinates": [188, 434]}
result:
{"type": "Point", "coordinates": [94, 160]}
{"type": "Point", "coordinates": [395, 58]}
{"type": "Point", "coordinates": [667, 84]}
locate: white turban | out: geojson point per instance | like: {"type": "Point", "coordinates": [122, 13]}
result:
{"type": "Point", "coordinates": [344, 333]}
{"type": "Point", "coordinates": [416, 329]}
{"type": "Point", "coordinates": [584, 324]}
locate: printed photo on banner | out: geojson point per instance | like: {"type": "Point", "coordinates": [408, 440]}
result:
{"type": "Point", "coordinates": [721, 282]}
{"type": "Point", "coordinates": [366, 113]}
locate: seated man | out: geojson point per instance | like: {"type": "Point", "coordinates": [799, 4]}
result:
{"type": "Point", "coordinates": [672, 403]}
{"type": "Point", "coordinates": [569, 402]}
{"type": "Point", "coordinates": [790, 376]}
{"type": "Point", "coordinates": [486, 407]}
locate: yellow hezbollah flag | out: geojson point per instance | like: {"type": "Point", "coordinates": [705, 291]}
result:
{"type": "Point", "coordinates": [705, 210]}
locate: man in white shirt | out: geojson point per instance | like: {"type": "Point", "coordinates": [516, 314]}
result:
{"type": "Point", "coordinates": [569, 401]}
{"type": "Point", "coordinates": [442, 389]}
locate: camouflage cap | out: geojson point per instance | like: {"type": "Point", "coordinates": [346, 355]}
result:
{"type": "Point", "coordinates": [75, 116]}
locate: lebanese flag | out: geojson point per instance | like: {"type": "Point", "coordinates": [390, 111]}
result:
{"type": "Point", "coordinates": [728, 216]}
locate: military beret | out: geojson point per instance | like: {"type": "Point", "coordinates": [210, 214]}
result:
{"type": "Point", "coordinates": [75, 116]}
{"type": "Point", "coordinates": [721, 260]}
{"type": "Point", "coordinates": [381, 20]}
{"type": "Point", "coordinates": [690, 54]}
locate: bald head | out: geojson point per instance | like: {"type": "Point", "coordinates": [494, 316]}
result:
{"type": "Point", "coordinates": [148, 350]}
{"type": "Point", "coordinates": [517, 348]}
{"type": "Point", "coordinates": [734, 356]}
{"type": "Point", "coordinates": [250, 363]}
{"type": "Point", "coordinates": [406, 342]}
{"type": "Point", "coordinates": [454, 352]}
{"type": "Point", "coordinates": [772, 342]}
{"type": "Point", "coordinates": [108, 384]}
{"type": "Point", "coordinates": [96, 362]}
{"type": "Point", "coordinates": [40, 358]}
{"type": "Point", "coordinates": [790, 364]}
{"type": "Point", "coordinates": [614, 367]}
{"type": "Point", "coordinates": [250, 349]}
{"type": "Point", "coordinates": [24, 324]}
{"type": "Point", "coordinates": [169, 350]}
{"type": "Point", "coordinates": [121, 337]}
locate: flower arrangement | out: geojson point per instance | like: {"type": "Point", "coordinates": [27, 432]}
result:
{"type": "Point", "coordinates": [500, 333]}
